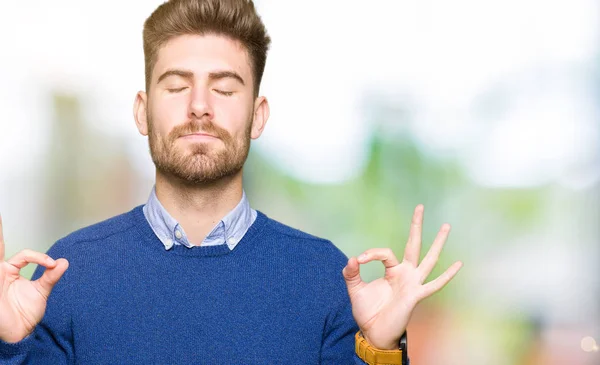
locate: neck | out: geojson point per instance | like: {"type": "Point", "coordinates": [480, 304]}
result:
{"type": "Point", "coordinates": [198, 208]}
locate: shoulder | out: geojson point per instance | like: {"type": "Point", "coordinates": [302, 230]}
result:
{"type": "Point", "coordinates": [101, 231]}
{"type": "Point", "coordinates": [304, 258]}
{"type": "Point", "coordinates": [305, 243]}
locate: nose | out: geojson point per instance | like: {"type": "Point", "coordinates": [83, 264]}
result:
{"type": "Point", "coordinates": [200, 106]}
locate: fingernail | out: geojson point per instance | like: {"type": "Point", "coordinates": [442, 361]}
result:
{"type": "Point", "coordinates": [362, 257]}
{"type": "Point", "coordinates": [50, 261]}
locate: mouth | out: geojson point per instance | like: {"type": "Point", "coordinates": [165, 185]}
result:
{"type": "Point", "coordinates": [199, 136]}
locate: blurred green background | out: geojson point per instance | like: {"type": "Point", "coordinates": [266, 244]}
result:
{"type": "Point", "coordinates": [485, 112]}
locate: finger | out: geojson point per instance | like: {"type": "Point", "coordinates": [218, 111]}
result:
{"type": "Point", "coordinates": [22, 258]}
{"type": "Point", "coordinates": [412, 252]}
{"type": "Point", "coordinates": [434, 252]}
{"type": "Point", "coordinates": [1, 242]}
{"type": "Point", "coordinates": [352, 275]}
{"type": "Point", "coordinates": [384, 255]}
{"type": "Point", "coordinates": [441, 281]}
{"type": "Point", "coordinates": [51, 276]}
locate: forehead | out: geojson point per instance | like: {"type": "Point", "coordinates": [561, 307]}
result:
{"type": "Point", "coordinates": [202, 54]}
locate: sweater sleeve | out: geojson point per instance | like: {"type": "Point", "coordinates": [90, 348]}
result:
{"type": "Point", "coordinates": [339, 343]}
{"type": "Point", "coordinates": [15, 353]}
{"type": "Point", "coordinates": [51, 341]}
{"type": "Point", "coordinates": [338, 338]}
{"type": "Point", "coordinates": [41, 347]}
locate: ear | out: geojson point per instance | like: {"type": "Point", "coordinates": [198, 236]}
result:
{"type": "Point", "coordinates": [261, 115]}
{"type": "Point", "coordinates": [139, 112]}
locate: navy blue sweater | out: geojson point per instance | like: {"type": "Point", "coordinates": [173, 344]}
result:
{"type": "Point", "coordinates": [278, 298]}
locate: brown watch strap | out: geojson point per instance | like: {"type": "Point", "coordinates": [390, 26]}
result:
{"type": "Point", "coordinates": [374, 356]}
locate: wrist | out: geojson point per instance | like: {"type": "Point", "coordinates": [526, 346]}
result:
{"type": "Point", "coordinates": [15, 335]}
{"type": "Point", "coordinates": [12, 339]}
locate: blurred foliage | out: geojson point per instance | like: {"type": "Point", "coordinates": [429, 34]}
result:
{"type": "Point", "coordinates": [372, 210]}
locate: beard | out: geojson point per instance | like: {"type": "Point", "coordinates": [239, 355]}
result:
{"type": "Point", "coordinates": [199, 163]}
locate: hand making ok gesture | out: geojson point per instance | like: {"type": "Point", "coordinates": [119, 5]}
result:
{"type": "Point", "coordinates": [382, 308]}
{"type": "Point", "coordinates": [23, 302]}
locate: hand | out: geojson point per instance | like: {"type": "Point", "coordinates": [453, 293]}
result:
{"type": "Point", "coordinates": [382, 308]}
{"type": "Point", "coordinates": [23, 302]}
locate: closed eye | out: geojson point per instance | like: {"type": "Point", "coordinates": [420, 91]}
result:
{"type": "Point", "coordinates": [222, 92]}
{"type": "Point", "coordinates": [177, 90]}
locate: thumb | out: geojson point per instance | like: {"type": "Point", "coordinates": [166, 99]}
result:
{"type": "Point", "coordinates": [51, 276]}
{"type": "Point", "coordinates": [352, 275]}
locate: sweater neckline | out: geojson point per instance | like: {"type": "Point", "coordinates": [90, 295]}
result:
{"type": "Point", "coordinates": [198, 251]}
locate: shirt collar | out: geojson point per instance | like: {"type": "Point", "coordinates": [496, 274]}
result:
{"type": "Point", "coordinates": [229, 230]}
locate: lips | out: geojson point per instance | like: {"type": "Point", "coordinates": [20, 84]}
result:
{"type": "Point", "coordinates": [192, 135]}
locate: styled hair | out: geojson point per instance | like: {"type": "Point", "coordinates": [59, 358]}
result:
{"type": "Point", "coordinates": [235, 19]}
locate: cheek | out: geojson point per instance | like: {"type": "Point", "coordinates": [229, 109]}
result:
{"type": "Point", "coordinates": [166, 114]}
{"type": "Point", "coordinates": [234, 117]}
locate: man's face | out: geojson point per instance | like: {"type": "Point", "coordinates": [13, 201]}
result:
{"type": "Point", "coordinates": [200, 108]}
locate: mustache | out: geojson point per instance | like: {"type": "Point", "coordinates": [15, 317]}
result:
{"type": "Point", "coordinates": [196, 126]}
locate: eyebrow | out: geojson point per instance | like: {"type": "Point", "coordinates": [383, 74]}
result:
{"type": "Point", "coordinates": [181, 73]}
{"type": "Point", "coordinates": [225, 74]}
{"type": "Point", "coordinates": [218, 75]}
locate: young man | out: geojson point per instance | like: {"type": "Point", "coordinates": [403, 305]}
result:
{"type": "Point", "coordinates": [196, 275]}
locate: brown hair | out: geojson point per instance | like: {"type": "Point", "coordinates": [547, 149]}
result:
{"type": "Point", "coordinates": [236, 19]}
